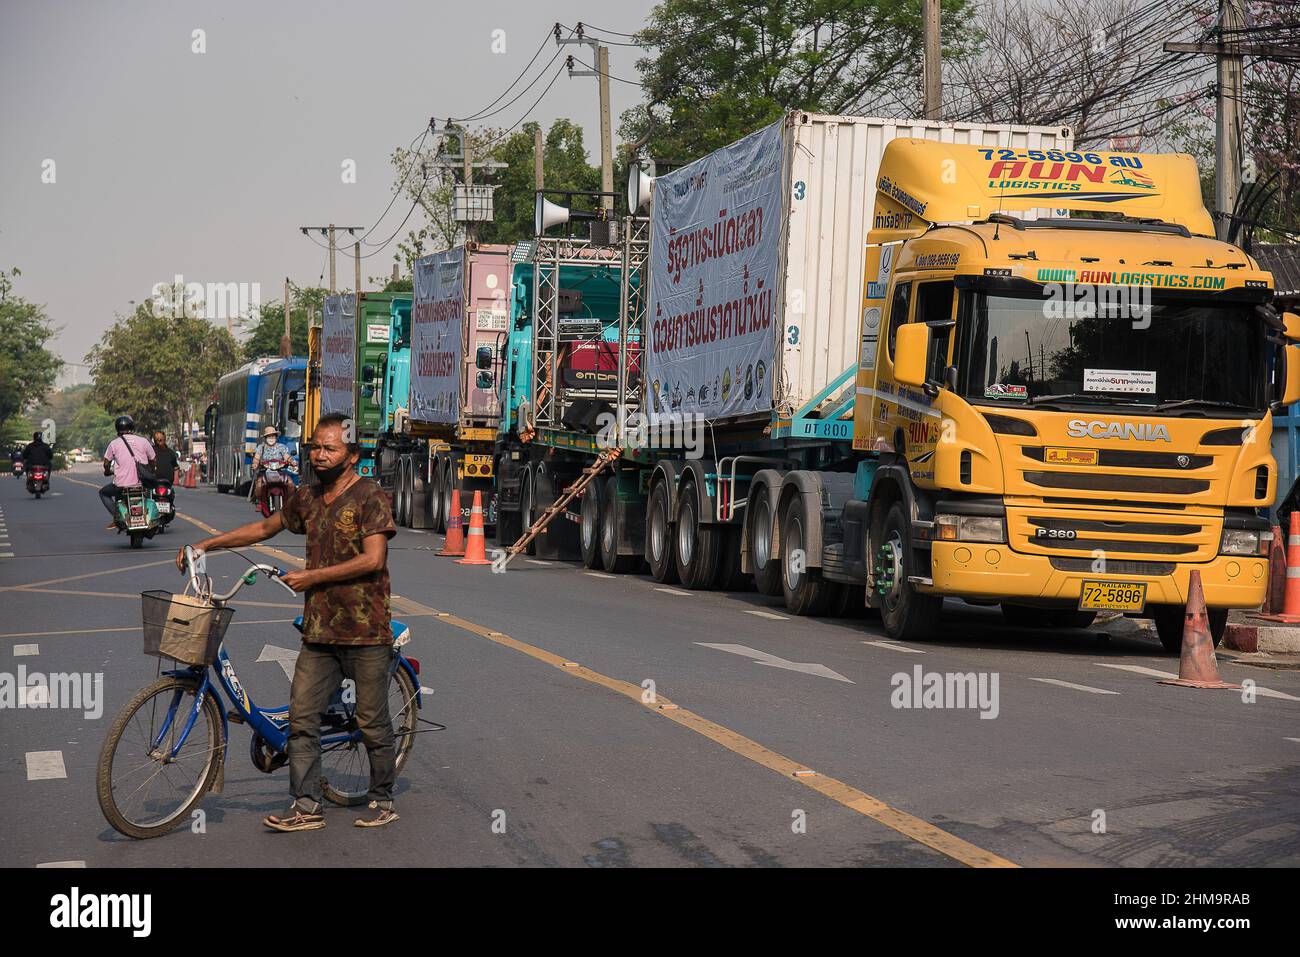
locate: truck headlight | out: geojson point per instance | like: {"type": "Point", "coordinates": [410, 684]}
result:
{"type": "Point", "coordinates": [1241, 541]}
{"type": "Point", "coordinates": [969, 528]}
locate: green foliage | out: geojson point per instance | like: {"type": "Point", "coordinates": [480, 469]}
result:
{"type": "Point", "coordinates": [728, 67]}
{"type": "Point", "coordinates": [27, 368]}
{"type": "Point", "coordinates": [79, 422]}
{"type": "Point", "coordinates": [161, 371]}
{"type": "Point", "coordinates": [265, 338]}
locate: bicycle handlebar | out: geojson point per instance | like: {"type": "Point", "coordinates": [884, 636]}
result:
{"type": "Point", "coordinates": [272, 572]}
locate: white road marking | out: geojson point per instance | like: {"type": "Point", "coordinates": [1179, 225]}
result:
{"type": "Point", "coordinates": [1071, 684]}
{"type": "Point", "coordinates": [1297, 740]}
{"type": "Point", "coordinates": [674, 591]}
{"type": "Point", "coordinates": [535, 561]}
{"type": "Point", "coordinates": [45, 766]}
{"type": "Point", "coordinates": [599, 575]}
{"type": "Point", "coordinates": [1138, 669]}
{"type": "Point", "coordinates": [773, 661]}
{"type": "Point", "coordinates": [63, 864]}
{"type": "Point", "coordinates": [895, 646]}
{"type": "Point", "coordinates": [766, 614]}
{"type": "Point", "coordinates": [20, 650]}
{"type": "Point", "coordinates": [284, 657]}
{"type": "Point", "coordinates": [6, 554]}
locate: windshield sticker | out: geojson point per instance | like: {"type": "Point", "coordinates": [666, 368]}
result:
{"type": "Point", "coordinates": [998, 390]}
{"type": "Point", "coordinates": [1126, 278]}
{"type": "Point", "coordinates": [1119, 380]}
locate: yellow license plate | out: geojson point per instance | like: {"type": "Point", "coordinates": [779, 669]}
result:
{"type": "Point", "coordinates": [1070, 456]}
{"type": "Point", "coordinates": [1113, 596]}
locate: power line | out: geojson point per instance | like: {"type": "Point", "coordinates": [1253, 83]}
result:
{"type": "Point", "coordinates": [610, 75]}
{"type": "Point", "coordinates": [540, 48]}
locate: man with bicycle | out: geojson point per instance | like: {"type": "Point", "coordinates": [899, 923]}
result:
{"type": "Point", "coordinates": [347, 629]}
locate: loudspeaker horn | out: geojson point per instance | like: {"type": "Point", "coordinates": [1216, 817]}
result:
{"type": "Point", "coordinates": [639, 185]}
{"type": "Point", "coordinates": [547, 214]}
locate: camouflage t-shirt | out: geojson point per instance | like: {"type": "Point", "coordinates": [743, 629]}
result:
{"type": "Point", "coordinates": [354, 612]}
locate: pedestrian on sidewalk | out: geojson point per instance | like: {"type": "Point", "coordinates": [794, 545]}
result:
{"type": "Point", "coordinates": [347, 626]}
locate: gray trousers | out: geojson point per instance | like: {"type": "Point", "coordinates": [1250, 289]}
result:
{"type": "Point", "coordinates": [319, 672]}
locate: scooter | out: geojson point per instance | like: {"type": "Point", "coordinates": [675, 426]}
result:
{"type": "Point", "coordinates": [18, 470]}
{"type": "Point", "coordinates": [38, 480]}
{"type": "Point", "coordinates": [164, 499]}
{"type": "Point", "coordinates": [137, 515]}
{"type": "Point", "coordinates": [276, 484]}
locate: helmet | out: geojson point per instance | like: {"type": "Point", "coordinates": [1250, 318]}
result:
{"type": "Point", "coordinates": [124, 423]}
{"type": "Point", "coordinates": [37, 436]}
{"type": "Point", "coordinates": [270, 430]}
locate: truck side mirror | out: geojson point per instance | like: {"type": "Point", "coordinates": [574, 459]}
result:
{"type": "Point", "coordinates": [1291, 371]}
{"type": "Point", "coordinates": [483, 357]}
{"type": "Point", "coordinates": [484, 380]}
{"type": "Point", "coordinates": [911, 348]}
{"type": "Point", "coordinates": [1291, 322]}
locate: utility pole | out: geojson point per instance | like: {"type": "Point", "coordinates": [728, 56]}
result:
{"type": "Point", "coordinates": [932, 91]}
{"type": "Point", "coordinates": [466, 163]}
{"type": "Point", "coordinates": [538, 179]}
{"type": "Point", "coordinates": [600, 57]}
{"type": "Point", "coordinates": [329, 231]}
{"type": "Point", "coordinates": [467, 156]}
{"type": "Point", "coordinates": [286, 340]}
{"type": "Point", "coordinates": [1230, 53]}
{"type": "Point", "coordinates": [356, 259]}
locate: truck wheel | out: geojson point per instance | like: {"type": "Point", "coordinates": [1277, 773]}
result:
{"type": "Point", "coordinates": [434, 493]}
{"type": "Point", "coordinates": [408, 500]}
{"type": "Point", "coordinates": [804, 590]}
{"type": "Point", "coordinates": [448, 484]}
{"type": "Point", "coordinates": [589, 530]}
{"type": "Point", "coordinates": [764, 557]}
{"type": "Point", "coordinates": [399, 494]}
{"type": "Point", "coordinates": [526, 499]}
{"type": "Point", "coordinates": [659, 537]}
{"type": "Point", "coordinates": [609, 533]}
{"type": "Point", "coordinates": [1169, 625]}
{"type": "Point", "coordinates": [906, 614]}
{"type": "Point", "coordinates": [729, 576]}
{"type": "Point", "coordinates": [696, 543]}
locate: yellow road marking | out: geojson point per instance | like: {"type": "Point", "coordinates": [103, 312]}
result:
{"type": "Point", "coordinates": [844, 794]}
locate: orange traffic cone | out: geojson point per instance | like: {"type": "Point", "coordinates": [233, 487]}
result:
{"type": "Point", "coordinates": [1291, 593]}
{"type": "Point", "coordinates": [454, 544]}
{"type": "Point", "coordinates": [475, 550]}
{"type": "Point", "coordinates": [1197, 668]}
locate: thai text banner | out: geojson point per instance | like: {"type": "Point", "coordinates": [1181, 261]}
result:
{"type": "Point", "coordinates": [437, 317]}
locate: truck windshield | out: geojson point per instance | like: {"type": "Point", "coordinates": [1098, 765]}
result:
{"type": "Point", "coordinates": [1161, 355]}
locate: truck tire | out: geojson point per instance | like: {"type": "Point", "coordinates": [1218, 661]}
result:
{"type": "Point", "coordinates": [448, 484]}
{"type": "Point", "coordinates": [764, 554]}
{"type": "Point", "coordinates": [437, 521]}
{"type": "Point", "coordinates": [729, 576]}
{"type": "Point", "coordinates": [906, 614]}
{"type": "Point", "coordinates": [1169, 625]}
{"type": "Point", "coordinates": [527, 497]}
{"type": "Point", "coordinates": [804, 590]}
{"type": "Point", "coordinates": [399, 493]}
{"type": "Point", "coordinates": [659, 551]}
{"type": "Point", "coordinates": [589, 529]}
{"type": "Point", "coordinates": [695, 543]}
{"type": "Point", "coordinates": [610, 533]}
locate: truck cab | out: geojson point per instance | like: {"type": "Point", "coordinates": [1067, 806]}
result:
{"type": "Point", "coordinates": [1059, 415]}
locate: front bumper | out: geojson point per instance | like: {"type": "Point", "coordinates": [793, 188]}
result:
{"type": "Point", "coordinates": [976, 570]}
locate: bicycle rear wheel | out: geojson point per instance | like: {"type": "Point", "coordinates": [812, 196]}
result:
{"type": "Point", "coordinates": [141, 792]}
{"type": "Point", "coordinates": [345, 767]}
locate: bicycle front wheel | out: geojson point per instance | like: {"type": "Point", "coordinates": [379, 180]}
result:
{"type": "Point", "coordinates": [143, 790]}
{"type": "Point", "coordinates": [345, 766]}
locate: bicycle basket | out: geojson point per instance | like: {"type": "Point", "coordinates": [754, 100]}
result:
{"type": "Point", "coordinates": [182, 627]}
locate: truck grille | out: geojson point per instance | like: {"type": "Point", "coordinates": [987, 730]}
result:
{"type": "Point", "coordinates": [1131, 534]}
{"type": "Point", "coordinates": [1113, 567]}
{"type": "Point", "coordinates": [1105, 482]}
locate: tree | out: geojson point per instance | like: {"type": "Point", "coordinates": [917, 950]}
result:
{"type": "Point", "coordinates": [266, 334]}
{"type": "Point", "coordinates": [27, 368]}
{"type": "Point", "coordinates": [79, 422]}
{"type": "Point", "coordinates": [161, 371]}
{"type": "Point", "coordinates": [724, 68]}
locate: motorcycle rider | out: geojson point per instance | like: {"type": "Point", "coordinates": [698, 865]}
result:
{"type": "Point", "coordinates": [271, 454]}
{"type": "Point", "coordinates": [37, 452]}
{"type": "Point", "coordinates": [124, 452]}
{"type": "Point", "coordinates": [166, 462]}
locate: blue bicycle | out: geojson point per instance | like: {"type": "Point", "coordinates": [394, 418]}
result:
{"type": "Point", "coordinates": [167, 747]}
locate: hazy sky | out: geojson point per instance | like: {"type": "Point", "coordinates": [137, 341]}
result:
{"type": "Point", "coordinates": [169, 162]}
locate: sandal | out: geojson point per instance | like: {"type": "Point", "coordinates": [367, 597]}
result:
{"type": "Point", "coordinates": [297, 821]}
{"type": "Point", "coordinates": [386, 815]}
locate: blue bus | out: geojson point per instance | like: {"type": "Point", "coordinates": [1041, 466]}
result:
{"type": "Point", "coordinates": [263, 392]}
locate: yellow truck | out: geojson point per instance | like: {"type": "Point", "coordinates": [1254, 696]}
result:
{"type": "Point", "coordinates": [1060, 415]}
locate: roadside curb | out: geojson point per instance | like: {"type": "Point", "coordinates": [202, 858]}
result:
{"type": "Point", "coordinates": [1272, 639]}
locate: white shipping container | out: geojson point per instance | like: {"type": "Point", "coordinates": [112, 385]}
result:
{"type": "Point", "coordinates": [830, 165]}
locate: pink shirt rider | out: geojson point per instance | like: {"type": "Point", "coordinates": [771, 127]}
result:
{"type": "Point", "coordinates": [124, 472]}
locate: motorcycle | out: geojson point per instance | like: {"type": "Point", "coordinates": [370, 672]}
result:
{"type": "Point", "coordinates": [137, 515]}
{"type": "Point", "coordinates": [276, 484]}
{"type": "Point", "coordinates": [18, 470]}
{"type": "Point", "coordinates": [164, 499]}
{"type": "Point", "coordinates": [38, 480]}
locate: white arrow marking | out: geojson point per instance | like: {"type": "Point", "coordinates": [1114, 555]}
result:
{"type": "Point", "coordinates": [772, 661]}
{"type": "Point", "coordinates": [1070, 684]}
{"type": "Point", "coordinates": [1138, 669]}
{"type": "Point", "coordinates": [284, 657]}
{"type": "Point", "coordinates": [895, 646]}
